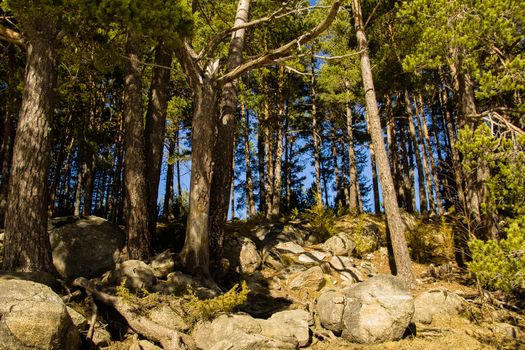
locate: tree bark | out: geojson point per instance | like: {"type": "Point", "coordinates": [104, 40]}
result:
{"type": "Point", "coordinates": [277, 185]}
{"type": "Point", "coordinates": [222, 174]}
{"type": "Point", "coordinates": [155, 129]}
{"type": "Point", "coordinates": [395, 224]}
{"type": "Point", "coordinates": [250, 203]}
{"type": "Point", "coordinates": [316, 136]}
{"type": "Point", "coordinates": [354, 187]}
{"type": "Point", "coordinates": [26, 245]}
{"type": "Point", "coordinates": [138, 237]}
{"type": "Point", "coordinates": [168, 191]}
{"type": "Point", "coordinates": [261, 160]}
{"type": "Point", "coordinates": [375, 182]}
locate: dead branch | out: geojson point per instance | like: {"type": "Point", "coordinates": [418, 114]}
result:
{"type": "Point", "coordinates": [168, 338]}
{"type": "Point", "coordinates": [11, 36]}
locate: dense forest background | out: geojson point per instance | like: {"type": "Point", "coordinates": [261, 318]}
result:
{"type": "Point", "coordinates": [414, 105]}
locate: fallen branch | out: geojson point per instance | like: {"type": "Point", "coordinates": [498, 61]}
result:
{"type": "Point", "coordinates": [168, 338]}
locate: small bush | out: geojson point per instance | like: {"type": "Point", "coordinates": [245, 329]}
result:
{"type": "Point", "coordinates": [500, 264]}
{"type": "Point", "coordinates": [322, 220]}
{"type": "Point", "coordinates": [431, 242]}
{"type": "Point", "coordinates": [364, 235]}
{"type": "Point", "coordinates": [197, 309]}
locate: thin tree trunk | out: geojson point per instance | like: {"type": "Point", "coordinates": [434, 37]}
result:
{"type": "Point", "coordinates": [316, 136]}
{"type": "Point", "coordinates": [250, 203]}
{"type": "Point", "coordinates": [276, 202]}
{"type": "Point", "coordinates": [138, 237]}
{"type": "Point", "coordinates": [375, 182]}
{"type": "Point", "coordinates": [339, 194]}
{"type": "Point", "coordinates": [352, 164]}
{"type": "Point", "coordinates": [26, 244]}
{"type": "Point", "coordinates": [423, 202]}
{"type": "Point", "coordinates": [261, 161]}
{"type": "Point", "coordinates": [168, 191]}
{"type": "Point", "coordinates": [155, 129]}
{"type": "Point", "coordinates": [269, 151]}
{"type": "Point", "coordinates": [395, 224]}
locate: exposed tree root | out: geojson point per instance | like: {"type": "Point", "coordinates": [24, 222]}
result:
{"type": "Point", "coordinates": [168, 338]}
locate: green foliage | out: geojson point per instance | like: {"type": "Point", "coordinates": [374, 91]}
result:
{"type": "Point", "coordinates": [197, 309]}
{"type": "Point", "coordinates": [431, 242]}
{"type": "Point", "coordinates": [322, 220]}
{"type": "Point", "coordinates": [144, 299]}
{"type": "Point", "coordinates": [500, 264]}
{"type": "Point", "coordinates": [365, 241]}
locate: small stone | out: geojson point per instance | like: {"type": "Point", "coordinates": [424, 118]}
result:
{"type": "Point", "coordinates": [313, 278]}
{"type": "Point", "coordinates": [289, 247]}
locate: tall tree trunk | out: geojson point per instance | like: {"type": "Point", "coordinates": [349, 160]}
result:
{"type": "Point", "coordinates": [168, 191]}
{"type": "Point", "coordinates": [261, 160]}
{"type": "Point", "coordinates": [423, 202]}
{"type": "Point", "coordinates": [155, 129]}
{"type": "Point", "coordinates": [338, 189]}
{"type": "Point", "coordinates": [195, 254]}
{"type": "Point", "coordinates": [26, 245]}
{"type": "Point", "coordinates": [395, 224]}
{"type": "Point", "coordinates": [408, 168]}
{"type": "Point", "coordinates": [375, 182]}
{"type": "Point", "coordinates": [269, 152]}
{"type": "Point", "coordinates": [224, 149]}
{"type": "Point", "coordinates": [316, 134]}
{"type": "Point", "coordinates": [352, 164]}
{"type": "Point", "coordinates": [250, 203]}
{"type": "Point", "coordinates": [138, 237]}
{"type": "Point", "coordinates": [276, 202]}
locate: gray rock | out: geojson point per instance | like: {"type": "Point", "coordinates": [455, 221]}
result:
{"type": "Point", "coordinates": [44, 278]}
{"type": "Point", "coordinates": [284, 330]}
{"type": "Point", "coordinates": [377, 310]}
{"type": "Point", "coordinates": [101, 337]}
{"type": "Point", "coordinates": [339, 244]}
{"type": "Point", "coordinates": [289, 247]}
{"type": "Point", "coordinates": [312, 257]}
{"type": "Point", "coordinates": [330, 308]}
{"type": "Point", "coordinates": [236, 332]}
{"type": "Point", "coordinates": [505, 331]}
{"type": "Point", "coordinates": [313, 278]}
{"type": "Point", "coordinates": [34, 317]}
{"type": "Point", "coordinates": [242, 254]}
{"type": "Point", "coordinates": [78, 319]}
{"type": "Point", "coordinates": [86, 248]}
{"type": "Point", "coordinates": [289, 326]}
{"type": "Point", "coordinates": [168, 317]}
{"type": "Point", "coordinates": [344, 267]}
{"type": "Point", "coordinates": [162, 264]}
{"type": "Point", "coordinates": [137, 273]}
{"type": "Point", "coordinates": [437, 301]}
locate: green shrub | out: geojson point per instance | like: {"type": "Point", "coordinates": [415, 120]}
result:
{"type": "Point", "coordinates": [197, 309]}
{"type": "Point", "coordinates": [500, 264]}
{"type": "Point", "coordinates": [322, 220]}
{"type": "Point", "coordinates": [431, 242]}
{"type": "Point", "coordinates": [365, 242]}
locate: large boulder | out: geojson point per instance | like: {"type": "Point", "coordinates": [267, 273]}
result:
{"type": "Point", "coordinates": [242, 254]}
{"type": "Point", "coordinates": [32, 316]}
{"type": "Point", "coordinates": [313, 278]}
{"type": "Point", "coordinates": [162, 264]}
{"type": "Point", "coordinates": [437, 301]}
{"type": "Point", "coordinates": [86, 247]}
{"type": "Point", "coordinates": [284, 330]}
{"type": "Point", "coordinates": [237, 332]}
{"type": "Point", "coordinates": [377, 310]}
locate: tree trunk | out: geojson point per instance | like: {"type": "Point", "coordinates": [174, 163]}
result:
{"type": "Point", "coordinates": [339, 193]}
{"type": "Point", "coordinates": [155, 128]}
{"type": "Point", "coordinates": [269, 152]}
{"type": "Point", "coordinates": [354, 188]}
{"type": "Point", "coordinates": [261, 155]}
{"type": "Point", "coordinates": [277, 176]}
{"type": "Point", "coordinates": [395, 224]}
{"type": "Point", "coordinates": [223, 152]}
{"type": "Point", "coordinates": [250, 203]}
{"type": "Point", "coordinates": [138, 237]}
{"type": "Point", "coordinates": [375, 182]}
{"type": "Point", "coordinates": [423, 202]}
{"type": "Point", "coordinates": [168, 192]}
{"type": "Point", "coordinates": [316, 137]}
{"type": "Point", "coordinates": [26, 245]}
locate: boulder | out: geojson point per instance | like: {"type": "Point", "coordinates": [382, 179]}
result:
{"type": "Point", "coordinates": [377, 310]}
{"type": "Point", "coordinates": [34, 317]}
{"type": "Point", "coordinates": [44, 278]}
{"type": "Point", "coordinates": [236, 332]}
{"type": "Point", "coordinates": [242, 254]}
{"type": "Point", "coordinates": [330, 308]}
{"type": "Point", "coordinates": [162, 264]}
{"type": "Point", "coordinates": [168, 317]}
{"type": "Point", "coordinates": [78, 319]}
{"type": "Point", "coordinates": [437, 301]}
{"type": "Point", "coordinates": [288, 326]}
{"type": "Point", "coordinates": [75, 243]}
{"type": "Point", "coordinates": [284, 330]}
{"type": "Point", "coordinates": [339, 244]}
{"type": "Point", "coordinates": [313, 278]}
{"type": "Point", "coordinates": [138, 275]}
